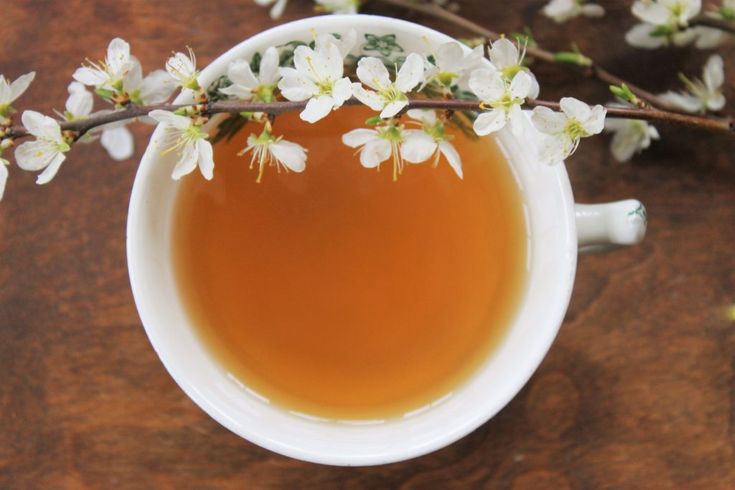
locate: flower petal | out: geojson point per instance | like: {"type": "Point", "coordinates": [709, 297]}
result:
{"type": "Point", "coordinates": [317, 108]}
{"type": "Point", "coordinates": [239, 73]}
{"type": "Point", "coordinates": [411, 73]}
{"type": "Point", "coordinates": [713, 73]}
{"type": "Point", "coordinates": [80, 100]}
{"type": "Point", "coordinates": [341, 91]}
{"type": "Point", "coordinates": [520, 86]}
{"type": "Point", "coordinates": [34, 155]}
{"type": "Point", "coordinates": [640, 36]}
{"type": "Point", "coordinates": [334, 62]}
{"type": "Point", "coordinates": [651, 12]}
{"type": "Point", "coordinates": [489, 122]}
{"type": "Point", "coordinates": [487, 84]}
{"type": "Point", "coordinates": [296, 86]}
{"type": "Point", "coordinates": [548, 121]}
{"type": "Point", "coordinates": [375, 152]}
{"type": "Point", "coordinates": [684, 102]}
{"type": "Point", "coordinates": [452, 156]}
{"type": "Point", "coordinates": [268, 74]}
{"type": "Point", "coordinates": [393, 108]}
{"type": "Point", "coordinates": [187, 161]}
{"type": "Point", "coordinates": [373, 73]}
{"type": "Point", "coordinates": [118, 141]}
{"type": "Point", "coordinates": [449, 57]}
{"type": "Point", "coordinates": [3, 178]}
{"type": "Point", "coordinates": [575, 108]}
{"type": "Point", "coordinates": [167, 117]}
{"type": "Point", "coordinates": [516, 118]}
{"type": "Point", "coordinates": [157, 87]}
{"type": "Point", "coordinates": [596, 121]}
{"type": "Point", "coordinates": [90, 76]}
{"type": "Point", "coordinates": [503, 53]}
{"type": "Point", "coordinates": [51, 169]}
{"type": "Point", "coordinates": [41, 126]}
{"type": "Point", "coordinates": [417, 146]}
{"type": "Point", "coordinates": [291, 155]}
{"type": "Point", "coordinates": [206, 158]}
{"type": "Point", "coordinates": [118, 57]}
{"type": "Point", "coordinates": [20, 85]}
{"type": "Point", "coordinates": [359, 137]}
{"type": "Point", "coordinates": [592, 10]}
{"type": "Point", "coordinates": [367, 97]}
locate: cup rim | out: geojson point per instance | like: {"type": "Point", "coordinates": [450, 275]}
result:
{"type": "Point", "coordinates": [257, 435]}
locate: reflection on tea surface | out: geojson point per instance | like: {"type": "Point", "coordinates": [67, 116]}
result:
{"type": "Point", "coordinates": [340, 293]}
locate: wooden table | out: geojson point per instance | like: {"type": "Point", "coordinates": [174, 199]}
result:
{"type": "Point", "coordinates": [637, 391]}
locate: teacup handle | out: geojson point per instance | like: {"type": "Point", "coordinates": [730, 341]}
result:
{"type": "Point", "coordinates": [610, 225]}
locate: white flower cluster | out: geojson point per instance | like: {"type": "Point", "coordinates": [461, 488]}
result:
{"type": "Point", "coordinates": [667, 22]}
{"type": "Point", "coordinates": [502, 84]}
{"type": "Point", "coordinates": [118, 79]}
{"type": "Point", "coordinates": [563, 10]}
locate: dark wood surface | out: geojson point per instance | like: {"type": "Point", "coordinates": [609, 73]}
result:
{"type": "Point", "coordinates": [636, 392]}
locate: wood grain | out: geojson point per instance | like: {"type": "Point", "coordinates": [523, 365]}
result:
{"type": "Point", "coordinates": [637, 391]}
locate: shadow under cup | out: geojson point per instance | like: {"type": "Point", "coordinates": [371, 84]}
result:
{"type": "Point", "coordinates": [551, 249]}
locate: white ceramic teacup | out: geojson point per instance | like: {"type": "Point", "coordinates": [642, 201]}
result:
{"type": "Point", "coordinates": [556, 228]}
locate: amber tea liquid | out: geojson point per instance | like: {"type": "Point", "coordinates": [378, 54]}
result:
{"type": "Point", "coordinates": [340, 293]}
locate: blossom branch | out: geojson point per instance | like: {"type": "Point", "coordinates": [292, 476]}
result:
{"type": "Point", "coordinates": [589, 66]}
{"type": "Point", "coordinates": [81, 127]}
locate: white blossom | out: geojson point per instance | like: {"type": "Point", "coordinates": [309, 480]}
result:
{"type": "Point", "coordinates": [378, 145]}
{"type": "Point", "coordinates": [9, 92]}
{"type": "Point", "coordinates": [183, 69]}
{"type": "Point", "coordinates": [189, 141]}
{"type": "Point", "coordinates": [109, 73]}
{"type": "Point", "coordinates": [154, 88]}
{"type": "Point", "coordinates": [339, 6]}
{"type": "Point", "coordinates": [269, 150]}
{"type": "Point", "coordinates": [577, 120]}
{"type": "Point", "coordinates": [664, 22]}
{"type": "Point", "coordinates": [344, 42]}
{"type": "Point", "coordinates": [317, 76]}
{"type": "Point", "coordinates": [248, 86]}
{"type": "Point", "coordinates": [278, 7]}
{"type": "Point", "coordinates": [47, 151]}
{"type": "Point", "coordinates": [431, 140]}
{"type": "Point", "coordinates": [79, 103]}
{"type": "Point", "coordinates": [504, 100]}
{"type": "Point", "coordinates": [508, 59]}
{"type": "Point", "coordinates": [709, 37]}
{"type": "Point", "coordinates": [389, 97]}
{"type": "Point", "coordinates": [4, 163]}
{"type": "Point", "coordinates": [630, 136]}
{"type": "Point", "coordinates": [701, 95]}
{"type": "Point", "coordinates": [114, 137]}
{"type": "Point", "coordinates": [563, 10]}
{"type": "Point", "coordinates": [451, 65]}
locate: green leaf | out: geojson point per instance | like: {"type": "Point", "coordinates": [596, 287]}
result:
{"type": "Point", "coordinates": [373, 120]}
{"type": "Point", "coordinates": [573, 58]}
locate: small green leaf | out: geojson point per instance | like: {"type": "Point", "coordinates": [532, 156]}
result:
{"type": "Point", "coordinates": [373, 120]}
{"type": "Point", "coordinates": [573, 58]}
{"type": "Point", "coordinates": [623, 92]}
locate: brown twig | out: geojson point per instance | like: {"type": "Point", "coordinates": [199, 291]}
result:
{"type": "Point", "coordinates": [721, 24]}
{"type": "Point", "coordinates": [83, 126]}
{"type": "Point", "coordinates": [592, 69]}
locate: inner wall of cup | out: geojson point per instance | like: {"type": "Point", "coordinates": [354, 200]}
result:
{"type": "Point", "coordinates": [552, 259]}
